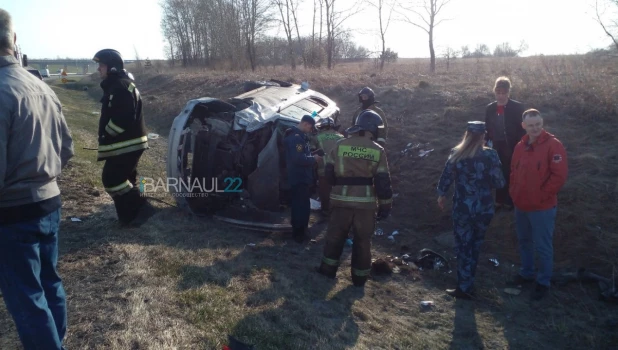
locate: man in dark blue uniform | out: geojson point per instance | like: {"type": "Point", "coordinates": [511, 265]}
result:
{"type": "Point", "coordinates": [475, 170]}
{"type": "Point", "coordinates": [300, 164]}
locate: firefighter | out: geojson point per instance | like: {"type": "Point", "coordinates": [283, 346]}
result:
{"type": "Point", "coordinates": [366, 98]}
{"type": "Point", "coordinates": [358, 170]}
{"type": "Point", "coordinates": [325, 141]}
{"type": "Point", "coordinates": [300, 164]}
{"type": "Point", "coordinates": [122, 138]}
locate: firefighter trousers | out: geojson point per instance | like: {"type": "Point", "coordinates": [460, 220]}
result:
{"type": "Point", "coordinates": [341, 221]}
{"type": "Point", "coordinates": [120, 181]}
{"type": "Point", "coordinates": [324, 189]}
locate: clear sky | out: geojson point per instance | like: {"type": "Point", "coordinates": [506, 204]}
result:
{"type": "Point", "coordinates": [78, 28]}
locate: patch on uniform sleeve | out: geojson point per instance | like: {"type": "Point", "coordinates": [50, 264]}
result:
{"type": "Point", "coordinates": [557, 158]}
{"type": "Point", "coordinates": [299, 147]}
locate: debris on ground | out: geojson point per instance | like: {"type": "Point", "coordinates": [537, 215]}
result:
{"type": "Point", "coordinates": [349, 242]}
{"type": "Point", "coordinates": [427, 303]}
{"type": "Point", "coordinates": [76, 220]}
{"type": "Point", "coordinates": [315, 205]}
{"type": "Point", "coordinates": [495, 262]}
{"type": "Point", "coordinates": [381, 267]}
{"type": "Point", "coordinates": [379, 232]}
{"type": "Point", "coordinates": [424, 153]}
{"type": "Point", "coordinates": [153, 136]}
{"type": "Point", "coordinates": [607, 287]}
{"type": "Point", "coordinates": [430, 260]}
{"type": "Point", "coordinates": [512, 291]}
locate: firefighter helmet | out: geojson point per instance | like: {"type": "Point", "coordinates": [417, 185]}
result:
{"type": "Point", "coordinates": [368, 120]}
{"type": "Point", "coordinates": [325, 123]}
{"type": "Point", "coordinates": [111, 58]}
{"type": "Point", "coordinates": [366, 96]}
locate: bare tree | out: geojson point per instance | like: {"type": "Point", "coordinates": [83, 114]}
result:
{"type": "Point", "coordinates": [294, 4]}
{"type": "Point", "coordinates": [383, 6]}
{"type": "Point", "coordinates": [285, 8]}
{"type": "Point", "coordinates": [449, 55]}
{"type": "Point", "coordinates": [603, 25]}
{"type": "Point", "coordinates": [255, 18]}
{"type": "Point", "coordinates": [423, 14]}
{"type": "Point", "coordinates": [334, 20]}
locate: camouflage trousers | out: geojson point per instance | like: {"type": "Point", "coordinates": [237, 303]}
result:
{"type": "Point", "coordinates": [341, 221]}
{"type": "Point", "coordinates": [469, 236]}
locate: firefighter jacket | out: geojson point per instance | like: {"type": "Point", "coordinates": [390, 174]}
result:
{"type": "Point", "coordinates": [298, 158]}
{"type": "Point", "coordinates": [358, 170]}
{"type": "Point", "coordinates": [538, 172]}
{"type": "Point", "coordinates": [122, 128]}
{"type": "Point", "coordinates": [373, 107]}
{"type": "Point", "coordinates": [325, 140]}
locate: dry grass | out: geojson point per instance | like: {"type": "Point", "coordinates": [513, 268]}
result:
{"type": "Point", "coordinates": [186, 283]}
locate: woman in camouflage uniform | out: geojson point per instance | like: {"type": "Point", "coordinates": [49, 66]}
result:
{"type": "Point", "coordinates": [475, 170]}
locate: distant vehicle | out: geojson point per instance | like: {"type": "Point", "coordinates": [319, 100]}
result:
{"type": "Point", "coordinates": [44, 73]}
{"type": "Point", "coordinates": [35, 72]}
{"type": "Point", "coordinates": [238, 145]}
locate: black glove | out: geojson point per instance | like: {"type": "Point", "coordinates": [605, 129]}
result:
{"type": "Point", "coordinates": [383, 213]}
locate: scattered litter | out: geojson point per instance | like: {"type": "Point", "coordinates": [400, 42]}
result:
{"type": "Point", "coordinates": [425, 153]}
{"type": "Point", "coordinates": [408, 146]}
{"type": "Point", "coordinates": [349, 242]}
{"type": "Point", "coordinates": [251, 244]}
{"type": "Point", "coordinates": [381, 267]}
{"type": "Point", "coordinates": [75, 220]}
{"type": "Point", "coordinates": [405, 257]}
{"type": "Point", "coordinates": [495, 261]}
{"type": "Point", "coordinates": [315, 205]}
{"type": "Point", "coordinates": [379, 232]}
{"type": "Point", "coordinates": [427, 303]}
{"type": "Point", "coordinates": [95, 113]}
{"type": "Point", "coordinates": [314, 241]}
{"type": "Point", "coordinates": [395, 233]}
{"type": "Point", "coordinates": [396, 269]}
{"type": "Point", "coordinates": [512, 291]}
{"type": "Point", "coordinates": [395, 195]}
{"type": "Point", "coordinates": [153, 136]}
{"type": "Point", "coordinates": [391, 238]}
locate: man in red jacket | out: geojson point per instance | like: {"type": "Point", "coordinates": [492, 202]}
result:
{"type": "Point", "coordinates": [538, 171]}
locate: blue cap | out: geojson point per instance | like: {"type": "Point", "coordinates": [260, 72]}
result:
{"type": "Point", "coordinates": [309, 119]}
{"type": "Point", "coordinates": [476, 126]}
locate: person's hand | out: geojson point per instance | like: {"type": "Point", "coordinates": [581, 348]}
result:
{"type": "Point", "coordinates": [441, 202]}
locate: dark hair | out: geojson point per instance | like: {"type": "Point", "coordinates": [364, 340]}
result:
{"type": "Point", "coordinates": [531, 113]}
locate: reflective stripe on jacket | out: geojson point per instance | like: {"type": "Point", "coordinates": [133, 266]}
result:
{"type": "Point", "coordinates": [359, 159]}
{"type": "Point", "coordinates": [122, 128]}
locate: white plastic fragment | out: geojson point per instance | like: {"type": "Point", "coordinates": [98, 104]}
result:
{"type": "Point", "coordinates": [495, 261]}
{"type": "Point", "coordinates": [315, 205]}
{"type": "Point", "coordinates": [251, 244]}
{"type": "Point", "coordinates": [153, 136]}
{"type": "Point", "coordinates": [425, 153]}
{"type": "Point", "coordinates": [75, 220]}
{"type": "Point", "coordinates": [379, 232]}
{"type": "Point", "coordinates": [395, 233]}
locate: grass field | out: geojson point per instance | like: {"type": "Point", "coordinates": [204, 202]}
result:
{"type": "Point", "coordinates": [182, 282]}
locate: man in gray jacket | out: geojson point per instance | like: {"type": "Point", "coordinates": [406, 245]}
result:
{"type": "Point", "coordinates": [35, 144]}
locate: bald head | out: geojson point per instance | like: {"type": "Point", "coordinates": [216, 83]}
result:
{"type": "Point", "coordinates": [7, 35]}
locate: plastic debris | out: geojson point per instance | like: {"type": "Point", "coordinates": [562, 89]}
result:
{"type": "Point", "coordinates": [395, 195]}
{"type": "Point", "coordinates": [391, 238]}
{"type": "Point", "coordinates": [495, 262]}
{"type": "Point", "coordinates": [405, 257]}
{"type": "Point", "coordinates": [379, 232]}
{"type": "Point", "coordinates": [153, 136]}
{"type": "Point", "coordinates": [304, 85]}
{"type": "Point", "coordinates": [512, 291]}
{"type": "Point", "coordinates": [75, 220]}
{"type": "Point", "coordinates": [395, 233]}
{"type": "Point", "coordinates": [427, 303]}
{"type": "Point", "coordinates": [315, 205]}
{"type": "Point", "coordinates": [425, 153]}
{"type": "Point", "coordinates": [314, 241]}
{"type": "Point", "coordinates": [251, 244]}
{"type": "Point", "coordinates": [396, 269]}
{"type": "Point", "coordinates": [349, 242]}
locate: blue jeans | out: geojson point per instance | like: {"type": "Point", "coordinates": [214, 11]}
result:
{"type": "Point", "coordinates": [535, 232]}
{"type": "Point", "coordinates": [32, 290]}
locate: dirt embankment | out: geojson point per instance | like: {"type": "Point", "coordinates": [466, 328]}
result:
{"type": "Point", "coordinates": [432, 111]}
